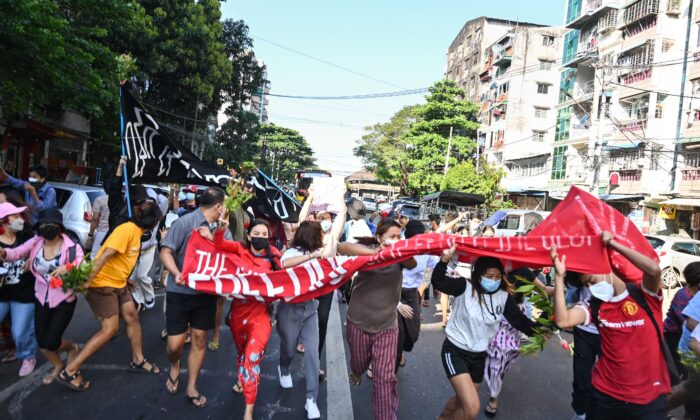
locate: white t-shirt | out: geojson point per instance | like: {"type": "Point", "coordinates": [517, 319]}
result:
{"type": "Point", "coordinates": [473, 325]}
{"type": "Point", "coordinates": [356, 229]}
{"type": "Point", "coordinates": [291, 253]}
{"type": "Point", "coordinates": [413, 278]}
{"type": "Point", "coordinates": [585, 296]}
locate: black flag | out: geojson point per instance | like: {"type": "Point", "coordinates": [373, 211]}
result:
{"type": "Point", "coordinates": [153, 157]}
{"type": "Point", "coordinates": [272, 201]}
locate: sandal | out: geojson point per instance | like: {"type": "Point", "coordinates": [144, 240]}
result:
{"type": "Point", "coordinates": [66, 379]}
{"type": "Point", "coordinates": [141, 367]}
{"type": "Point", "coordinates": [237, 388]}
{"type": "Point", "coordinates": [369, 372]}
{"type": "Point", "coordinates": [197, 401]}
{"type": "Point", "coordinates": [174, 382]}
{"type": "Point", "coordinates": [491, 409]}
{"type": "Point", "coordinates": [402, 362]}
{"type": "Point", "coordinates": [213, 345]}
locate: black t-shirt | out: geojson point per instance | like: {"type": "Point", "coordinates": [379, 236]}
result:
{"type": "Point", "coordinates": [17, 285]}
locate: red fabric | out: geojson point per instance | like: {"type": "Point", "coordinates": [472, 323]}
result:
{"type": "Point", "coordinates": [581, 214]}
{"type": "Point", "coordinates": [631, 373]}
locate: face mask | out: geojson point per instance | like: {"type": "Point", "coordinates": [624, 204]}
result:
{"type": "Point", "coordinates": [33, 180]}
{"type": "Point", "coordinates": [326, 225]}
{"type": "Point", "coordinates": [49, 232]}
{"type": "Point", "coordinates": [259, 243]}
{"type": "Point", "coordinates": [602, 290]}
{"type": "Point", "coordinates": [489, 285]}
{"type": "Point", "coordinates": [17, 225]}
{"type": "Point", "coordinates": [181, 197]}
{"type": "Point", "coordinates": [390, 242]}
{"type": "Point", "coordinates": [189, 196]}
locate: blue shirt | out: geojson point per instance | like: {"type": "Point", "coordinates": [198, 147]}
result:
{"type": "Point", "coordinates": [47, 196]}
{"type": "Point", "coordinates": [690, 311]}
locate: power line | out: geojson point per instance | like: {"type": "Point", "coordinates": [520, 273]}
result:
{"type": "Point", "coordinates": [364, 96]}
{"type": "Point", "coordinates": [306, 120]}
{"type": "Point", "coordinates": [328, 63]}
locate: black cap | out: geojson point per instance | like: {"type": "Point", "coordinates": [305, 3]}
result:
{"type": "Point", "coordinates": [413, 228]}
{"type": "Point", "coordinates": [50, 216]}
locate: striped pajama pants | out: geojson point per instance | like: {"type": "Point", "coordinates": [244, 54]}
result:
{"type": "Point", "coordinates": [379, 349]}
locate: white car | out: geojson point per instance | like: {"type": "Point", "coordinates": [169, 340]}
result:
{"type": "Point", "coordinates": [674, 255]}
{"type": "Point", "coordinates": [514, 222]}
{"type": "Point", "coordinates": [370, 204]}
{"type": "Point", "coordinates": [75, 203]}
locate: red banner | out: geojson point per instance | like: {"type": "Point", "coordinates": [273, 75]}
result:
{"type": "Point", "coordinates": [211, 271]}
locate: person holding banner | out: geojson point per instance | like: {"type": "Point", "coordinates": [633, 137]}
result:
{"type": "Point", "coordinates": [249, 319]}
{"type": "Point", "coordinates": [631, 378]}
{"type": "Point", "coordinates": [186, 308]}
{"type": "Point", "coordinates": [480, 303]}
{"type": "Point", "coordinates": [372, 328]}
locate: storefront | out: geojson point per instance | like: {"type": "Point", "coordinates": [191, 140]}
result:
{"type": "Point", "coordinates": [679, 216]}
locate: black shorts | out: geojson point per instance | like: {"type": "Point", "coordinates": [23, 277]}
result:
{"type": "Point", "coordinates": [457, 361]}
{"type": "Point", "coordinates": [183, 311]}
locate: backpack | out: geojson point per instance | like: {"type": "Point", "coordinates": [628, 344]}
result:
{"type": "Point", "coordinates": [636, 294]}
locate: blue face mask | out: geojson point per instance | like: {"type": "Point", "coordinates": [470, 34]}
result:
{"type": "Point", "coordinates": [489, 285]}
{"type": "Point", "coordinates": [189, 196]}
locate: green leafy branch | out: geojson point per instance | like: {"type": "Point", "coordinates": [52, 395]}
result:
{"type": "Point", "coordinates": [691, 361]}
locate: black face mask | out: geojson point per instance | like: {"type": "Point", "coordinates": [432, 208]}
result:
{"type": "Point", "coordinates": [49, 232]}
{"type": "Point", "coordinates": [259, 243]}
{"type": "Point", "coordinates": [146, 236]}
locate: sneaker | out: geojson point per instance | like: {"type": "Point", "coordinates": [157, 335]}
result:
{"type": "Point", "coordinates": [285, 380]}
{"type": "Point", "coordinates": [312, 409]}
{"type": "Point", "coordinates": [150, 304]}
{"type": "Point", "coordinates": [579, 417]}
{"type": "Point", "coordinates": [28, 366]}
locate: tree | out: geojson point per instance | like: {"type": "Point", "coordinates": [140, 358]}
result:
{"type": "Point", "coordinates": [236, 141]}
{"type": "Point", "coordinates": [463, 177]}
{"type": "Point", "coordinates": [60, 55]}
{"type": "Point", "coordinates": [283, 152]}
{"type": "Point", "coordinates": [410, 149]}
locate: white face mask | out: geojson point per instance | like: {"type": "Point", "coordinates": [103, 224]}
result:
{"type": "Point", "coordinates": [390, 242]}
{"type": "Point", "coordinates": [33, 180]}
{"type": "Point", "coordinates": [602, 290]}
{"type": "Point", "coordinates": [326, 225]}
{"type": "Point", "coordinates": [17, 225]}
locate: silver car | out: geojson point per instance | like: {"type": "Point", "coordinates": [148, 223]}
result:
{"type": "Point", "coordinates": [75, 202]}
{"type": "Point", "coordinates": [674, 255]}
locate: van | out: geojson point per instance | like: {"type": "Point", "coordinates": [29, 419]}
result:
{"type": "Point", "coordinates": [515, 222]}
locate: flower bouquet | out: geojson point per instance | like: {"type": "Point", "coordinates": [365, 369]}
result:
{"type": "Point", "coordinates": [236, 195]}
{"type": "Point", "coordinates": [691, 361]}
{"type": "Point", "coordinates": [546, 326]}
{"type": "Point", "coordinates": [75, 278]}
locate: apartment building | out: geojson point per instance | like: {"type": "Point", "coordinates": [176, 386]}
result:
{"type": "Point", "coordinates": [619, 98]}
{"type": "Point", "coordinates": [518, 106]}
{"type": "Point", "coordinates": [466, 54]}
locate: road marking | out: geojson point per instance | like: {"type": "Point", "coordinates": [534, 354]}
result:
{"type": "Point", "coordinates": [339, 401]}
{"type": "Point", "coordinates": [23, 388]}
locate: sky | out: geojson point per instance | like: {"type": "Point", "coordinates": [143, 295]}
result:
{"type": "Point", "coordinates": [393, 45]}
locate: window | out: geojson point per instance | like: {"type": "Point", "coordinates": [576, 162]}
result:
{"type": "Point", "coordinates": [547, 40]}
{"type": "Point", "coordinates": [511, 222]}
{"type": "Point", "coordinates": [666, 45]}
{"type": "Point", "coordinates": [545, 65]}
{"type": "Point", "coordinates": [559, 163]}
{"type": "Point", "coordinates": [538, 135]}
{"type": "Point", "coordinates": [540, 112]}
{"type": "Point", "coordinates": [684, 248]}
{"type": "Point", "coordinates": [660, 100]}
{"type": "Point", "coordinates": [655, 243]}
{"type": "Point", "coordinates": [62, 197]}
{"type": "Point", "coordinates": [543, 88]}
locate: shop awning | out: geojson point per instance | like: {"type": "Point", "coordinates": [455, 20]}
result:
{"type": "Point", "coordinates": [686, 202]}
{"type": "Point", "coordinates": [621, 197]}
{"type": "Point", "coordinates": [627, 144]}
{"type": "Point", "coordinates": [527, 192]}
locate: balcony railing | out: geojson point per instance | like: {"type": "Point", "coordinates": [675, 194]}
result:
{"type": "Point", "coordinates": [630, 175]}
{"type": "Point", "coordinates": [637, 77]}
{"type": "Point", "coordinates": [635, 125]}
{"type": "Point", "coordinates": [639, 10]}
{"type": "Point", "coordinates": [691, 160]}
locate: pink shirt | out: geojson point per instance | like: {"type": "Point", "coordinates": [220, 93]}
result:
{"type": "Point", "coordinates": [42, 291]}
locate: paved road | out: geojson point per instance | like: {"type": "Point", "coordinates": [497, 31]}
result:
{"type": "Point", "coordinates": [537, 387]}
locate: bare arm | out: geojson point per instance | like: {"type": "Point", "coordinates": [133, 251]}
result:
{"type": "Point", "coordinates": [564, 317]}
{"type": "Point", "coordinates": [100, 262]}
{"type": "Point", "coordinates": [452, 224]}
{"type": "Point", "coordinates": [691, 323]}
{"type": "Point", "coordinates": [294, 261]}
{"type": "Point", "coordinates": [652, 273]}
{"type": "Point", "coordinates": [307, 205]}
{"type": "Point", "coordinates": [347, 248]}
{"type": "Point", "coordinates": [168, 260]}
{"type": "Point", "coordinates": [695, 346]}
{"type": "Point", "coordinates": [409, 263]}
{"type": "Point", "coordinates": [94, 221]}
{"type": "Point", "coordinates": [549, 290]}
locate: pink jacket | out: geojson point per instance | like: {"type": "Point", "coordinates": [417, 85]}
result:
{"type": "Point", "coordinates": [42, 291]}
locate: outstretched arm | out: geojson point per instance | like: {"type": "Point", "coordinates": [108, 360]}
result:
{"type": "Point", "coordinates": [564, 317]}
{"type": "Point", "coordinates": [652, 273]}
{"type": "Point", "coordinates": [452, 224]}
{"type": "Point", "coordinates": [454, 286]}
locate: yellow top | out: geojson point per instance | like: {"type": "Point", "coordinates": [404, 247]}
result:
{"type": "Point", "coordinates": [126, 240]}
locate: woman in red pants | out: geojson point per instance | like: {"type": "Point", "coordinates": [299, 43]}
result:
{"type": "Point", "coordinates": [249, 319]}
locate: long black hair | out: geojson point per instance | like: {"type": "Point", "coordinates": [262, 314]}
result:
{"type": "Point", "coordinates": [268, 248]}
{"type": "Point", "coordinates": [480, 266]}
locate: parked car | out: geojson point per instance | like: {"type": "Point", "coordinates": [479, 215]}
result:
{"type": "Point", "coordinates": [410, 210]}
{"type": "Point", "coordinates": [675, 254]}
{"type": "Point", "coordinates": [75, 203]}
{"type": "Point", "coordinates": [370, 204]}
{"type": "Point", "coordinates": [514, 222]}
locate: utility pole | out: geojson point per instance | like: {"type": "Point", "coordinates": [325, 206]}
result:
{"type": "Point", "coordinates": [677, 145]}
{"type": "Point", "coordinates": [594, 145]}
{"type": "Point", "coordinates": [447, 155]}
{"type": "Point", "coordinates": [478, 149]}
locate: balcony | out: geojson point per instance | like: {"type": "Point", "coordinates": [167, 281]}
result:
{"type": "Point", "coordinates": [504, 57]}
{"type": "Point", "coordinates": [591, 11]}
{"type": "Point", "coordinates": [639, 10]}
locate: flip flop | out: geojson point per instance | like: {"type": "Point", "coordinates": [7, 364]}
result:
{"type": "Point", "coordinates": [237, 388]}
{"type": "Point", "coordinates": [490, 410]}
{"type": "Point", "coordinates": [197, 401]}
{"type": "Point", "coordinates": [175, 382]}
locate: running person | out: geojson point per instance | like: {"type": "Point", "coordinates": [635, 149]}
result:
{"type": "Point", "coordinates": [479, 304]}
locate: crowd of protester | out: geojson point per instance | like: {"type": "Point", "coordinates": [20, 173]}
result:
{"type": "Point", "coordinates": [621, 366]}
